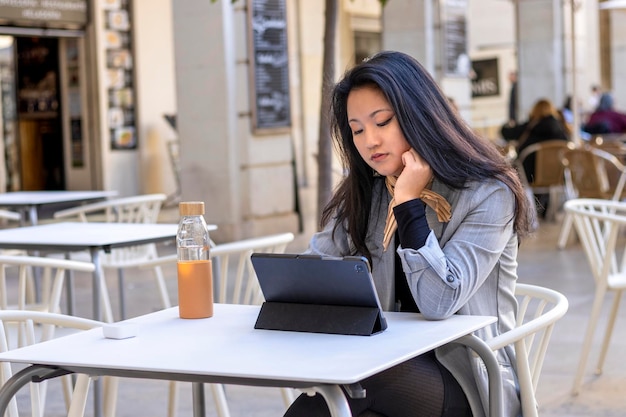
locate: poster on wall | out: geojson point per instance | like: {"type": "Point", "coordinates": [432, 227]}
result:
{"type": "Point", "coordinates": [485, 79]}
{"type": "Point", "coordinates": [269, 72]}
{"type": "Point", "coordinates": [119, 74]}
{"type": "Point", "coordinates": [456, 61]}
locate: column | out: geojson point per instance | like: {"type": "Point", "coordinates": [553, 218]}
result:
{"type": "Point", "coordinates": [541, 62]}
{"type": "Point", "coordinates": [245, 178]}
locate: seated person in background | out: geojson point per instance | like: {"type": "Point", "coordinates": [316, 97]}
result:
{"type": "Point", "coordinates": [544, 123]}
{"type": "Point", "coordinates": [605, 119]}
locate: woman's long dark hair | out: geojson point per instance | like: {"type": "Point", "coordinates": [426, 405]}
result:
{"type": "Point", "coordinates": [431, 126]}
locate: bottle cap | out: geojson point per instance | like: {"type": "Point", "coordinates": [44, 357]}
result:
{"type": "Point", "coordinates": [191, 208]}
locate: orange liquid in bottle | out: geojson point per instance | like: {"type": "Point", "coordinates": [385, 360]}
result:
{"type": "Point", "coordinates": [195, 289]}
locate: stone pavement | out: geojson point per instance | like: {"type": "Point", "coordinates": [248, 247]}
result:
{"type": "Point", "coordinates": [540, 263]}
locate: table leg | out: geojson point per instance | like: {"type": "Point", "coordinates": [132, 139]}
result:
{"type": "Point", "coordinates": [493, 371]}
{"type": "Point", "coordinates": [32, 215]}
{"type": "Point", "coordinates": [99, 291]}
{"type": "Point", "coordinates": [98, 277]}
{"type": "Point", "coordinates": [336, 400]}
{"type": "Point", "coordinates": [33, 218]}
{"type": "Point", "coordinates": [199, 405]}
{"type": "Point", "coordinates": [34, 373]}
{"type": "Point", "coordinates": [120, 286]}
{"type": "Point", "coordinates": [69, 288]}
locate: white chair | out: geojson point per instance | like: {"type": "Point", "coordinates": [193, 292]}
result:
{"type": "Point", "coordinates": [20, 328]}
{"type": "Point", "coordinates": [52, 273]}
{"type": "Point", "coordinates": [600, 225]}
{"type": "Point", "coordinates": [590, 173]}
{"type": "Point", "coordinates": [10, 215]}
{"type": "Point", "coordinates": [538, 310]}
{"type": "Point", "coordinates": [137, 209]}
{"type": "Point", "coordinates": [7, 219]}
{"type": "Point", "coordinates": [236, 283]}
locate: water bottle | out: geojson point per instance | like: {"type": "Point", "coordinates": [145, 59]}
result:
{"type": "Point", "coordinates": [195, 278]}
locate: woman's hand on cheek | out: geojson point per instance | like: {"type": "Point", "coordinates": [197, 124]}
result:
{"type": "Point", "coordinates": [414, 177]}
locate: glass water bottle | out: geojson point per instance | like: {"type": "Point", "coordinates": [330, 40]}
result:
{"type": "Point", "coordinates": [195, 278]}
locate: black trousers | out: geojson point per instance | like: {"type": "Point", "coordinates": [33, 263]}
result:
{"type": "Point", "coordinates": [420, 387]}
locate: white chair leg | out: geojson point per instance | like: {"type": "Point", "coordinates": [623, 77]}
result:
{"type": "Point", "coordinates": [172, 405]}
{"type": "Point", "coordinates": [54, 301]}
{"type": "Point", "coordinates": [35, 400]}
{"type": "Point", "coordinates": [588, 338]}
{"type": "Point", "coordinates": [110, 386]}
{"type": "Point", "coordinates": [42, 393]}
{"type": "Point", "coordinates": [553, 205]}
{"type": "Point", "coordinates": [107, 311]}
{"type": "Point", "coordinates": [5, 372]}
{"type": "Point", "coordinates": [528, 399]}
{"type": "Point", "coordinates": [609, 331]}
{"type": "Point", "coordinates": [162, 287]}
{"type": "Point", "coordinates": [220, 400]}
{"type": "Point", "coordinates": [566, 229]}
{"type": "Point", "coordinates": [67, 386]}
{"type": "Point", "coordinates": [79, 398]}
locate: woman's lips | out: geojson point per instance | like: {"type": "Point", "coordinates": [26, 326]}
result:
{"type": "Point", "coordinates": [377, 157]}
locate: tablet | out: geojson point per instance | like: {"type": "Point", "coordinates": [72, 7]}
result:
{"type": "Point", "coordinates": [315, 280]}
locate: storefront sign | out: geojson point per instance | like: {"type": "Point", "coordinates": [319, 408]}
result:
{"type": "Point", "coordinates": [36, 13]}
{"type": "Point", "coordinates": [269, 69]}
{"type": "Point", "coordinates": [485, 81]}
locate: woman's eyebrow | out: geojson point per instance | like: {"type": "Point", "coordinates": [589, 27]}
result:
{"type": "Point", "coordinates": [372, 114]}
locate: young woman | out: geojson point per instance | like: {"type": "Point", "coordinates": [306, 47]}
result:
{"type": "Point", "coordinates": [438, 212]}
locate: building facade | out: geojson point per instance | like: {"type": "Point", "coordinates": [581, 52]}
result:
{"type": "Point", "coordinates": [86, 85]}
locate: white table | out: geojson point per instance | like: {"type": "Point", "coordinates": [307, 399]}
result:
{"type": "Point", "coordinates": [227, 349]}
{"type": "Point", "coordinates": [93, 237]}
{"type": "Point", "coordinates": [31, 200]}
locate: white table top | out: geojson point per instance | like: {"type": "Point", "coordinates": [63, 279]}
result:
{"type": "Point", "coordinates": [227, 348]}
{"type": "Point", "coordinates": [28, 198]}
{"type": "Point", "coordinates": [68, 236]}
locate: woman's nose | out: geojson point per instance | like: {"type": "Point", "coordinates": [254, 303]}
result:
{"type": "Point", "coordinates": [372, 139]}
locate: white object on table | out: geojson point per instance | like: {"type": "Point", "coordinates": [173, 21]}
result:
{"type": "Point", "coordinates": [227, 349]}
{"type": "Point", "coordinates": [31, 200]}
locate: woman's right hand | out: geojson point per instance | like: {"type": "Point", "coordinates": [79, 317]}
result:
{"type": "Point", "coordinates": [415, 176]}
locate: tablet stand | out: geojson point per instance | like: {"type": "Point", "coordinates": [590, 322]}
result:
{"type": "Point", "coordinates": [317, 318]}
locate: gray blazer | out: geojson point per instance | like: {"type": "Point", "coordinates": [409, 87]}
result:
{"type": "Point", "coordinates": [468, 266]}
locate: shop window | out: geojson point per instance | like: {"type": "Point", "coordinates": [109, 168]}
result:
{"type": "Point", "coordinates": [366, 44]}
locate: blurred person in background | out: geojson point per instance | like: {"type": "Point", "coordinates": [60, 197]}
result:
{"type": "Point", "coordinates": [544, 123]}
{"type": "Point", "coordinates": [568, 118]}
{"type": "Point", "coordinates": [513, 98]}
{"type": "Point", "coordinates": [605, 119]}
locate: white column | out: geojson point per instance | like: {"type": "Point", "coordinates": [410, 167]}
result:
{"type": "Point", "coordinates": [205, 108]}
{"type": "Point", "coordinates": [540, 53]}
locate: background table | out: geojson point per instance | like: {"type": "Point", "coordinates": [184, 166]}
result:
{"type": "Point", "coordinates": [93, 237]}
{"type": "Point", "coordinates": [227, 349]}
{"type": "Point", "coordinates": [31, 201]}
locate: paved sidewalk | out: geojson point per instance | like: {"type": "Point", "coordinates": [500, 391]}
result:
{"type": "Point", "coordinates": [540, 263]}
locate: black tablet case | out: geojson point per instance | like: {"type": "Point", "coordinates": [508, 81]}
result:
{"type": "Point", "coordinates": [311, 293]}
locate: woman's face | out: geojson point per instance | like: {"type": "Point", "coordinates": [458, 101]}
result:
{"type": "Point", "coordinates": [375, 130]}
